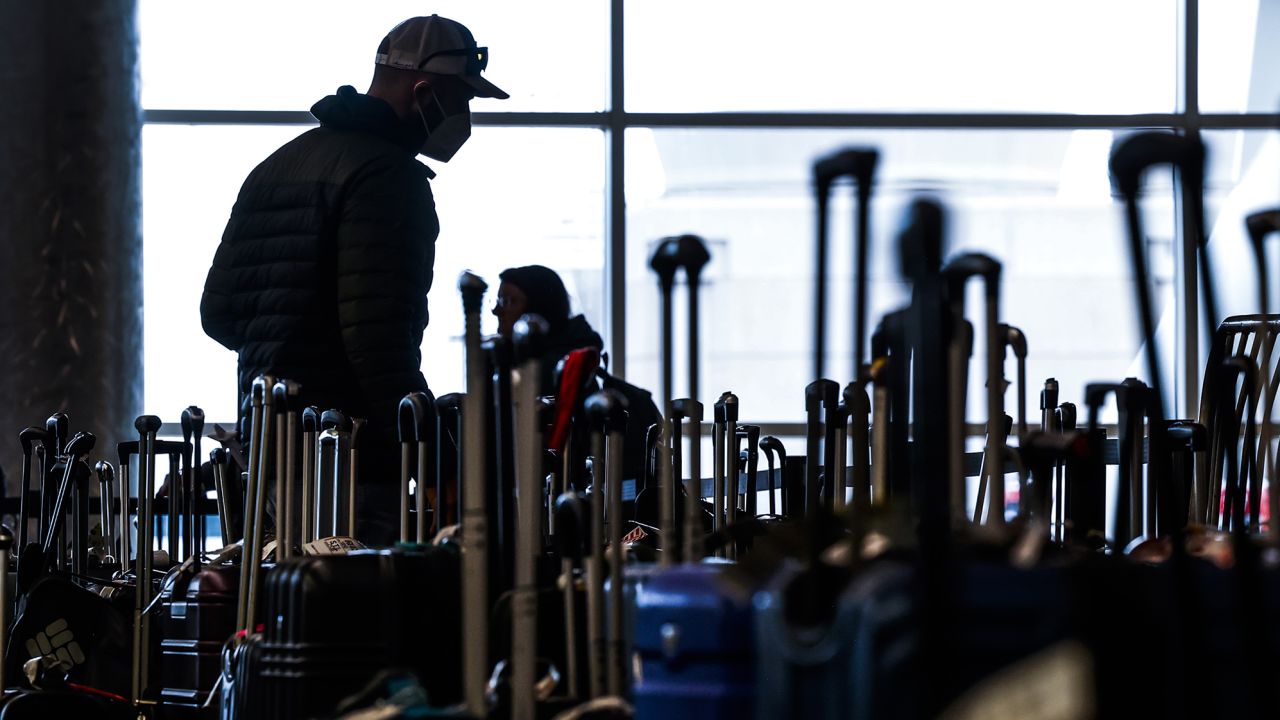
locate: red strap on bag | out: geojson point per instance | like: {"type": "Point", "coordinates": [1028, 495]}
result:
{"type": "Point", "coordinates": [579, 367]}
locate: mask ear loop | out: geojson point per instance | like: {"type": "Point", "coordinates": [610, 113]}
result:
{"type": "Point", "coordinates": [417, 105]}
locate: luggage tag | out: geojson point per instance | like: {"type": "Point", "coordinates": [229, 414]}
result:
{"type": "Point", "coordinates": [335, 545]}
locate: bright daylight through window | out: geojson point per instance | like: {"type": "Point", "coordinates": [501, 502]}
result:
{"type": "Point", "coordinates": [1005, 110]}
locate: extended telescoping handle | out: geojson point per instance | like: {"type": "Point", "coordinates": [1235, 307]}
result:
{"type": "Point", "coordinates": [572, 534]}
{"type": "Point", "coordinates": [417, 425]}
{"type": "Point", "coordinates": [751, 454]}
{"type": "Point", "coordinates": [1130, 159]}
{"type": "Point", "coordinates": [475, 531]}
{"type": "Point", "coordinates": [691, 410]}
{"type": "Point", "coordinates": [147, 426]}
{"type": "Point", "coordinates": [218, 458]}
{"type": "Point", "coordinates": [607, 412]}
{"type": "Point", "coordinates": [1016, 340]}
{"type": "Point", "coordinates": [329, 488]}
{"type": "Point", "coordinates": [27, 437]}
{"type": "Point", "coordinates": [527, 344]}
{"type": "Point", "coordinates": [76, 450]}
{"type": "Point", "coordinates": [817, 395]}
{"type": "Point", "coordinates": [106, 486]}
{"type": "Point", "coordinates": [57, 430]}
{"type": "Point", "coordinates": [957, 272]}
{"type": "Point", "coordinates": [771, 446]}
{"type": "Point", "coordinates": [958, 354]}
{"type": "Point", "coordinates": [351, 494]}
{"type": "Point", "coordinates": [192, 423]}
{"type": "Point", "coordinates": [1095, 394]}
{"type": "Point", "coordinates": [860, 165]}
{"type": "Point", "coordinates": [307, 502]}
{"type": "Point", "coordinates": [251, 571]}
{"type": "Point", "coordinates": [673, 253]}
{"type": "Point", "coordinates": [284, 396]}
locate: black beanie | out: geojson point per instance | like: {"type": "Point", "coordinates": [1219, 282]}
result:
{"type": "Point", "coordinates": [545, 291]}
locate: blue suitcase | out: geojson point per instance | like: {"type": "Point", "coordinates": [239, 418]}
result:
{"type": "Point", "coordinates": [694, 646]}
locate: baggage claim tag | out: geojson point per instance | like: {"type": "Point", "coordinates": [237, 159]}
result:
{"type": "Point", "coordinates": [335, 545]}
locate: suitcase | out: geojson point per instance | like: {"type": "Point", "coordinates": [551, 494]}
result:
{"type": "Point", "coordinates": [694, 646]}
{"type": "Point", "coordinates": [335, 622]}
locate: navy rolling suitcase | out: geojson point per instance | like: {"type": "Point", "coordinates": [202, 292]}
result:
{"type": "Point", "coordinates": [694, 646]}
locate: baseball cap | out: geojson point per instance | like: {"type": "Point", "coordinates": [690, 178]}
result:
{"type": "Point", "coordinates": [438, 45]}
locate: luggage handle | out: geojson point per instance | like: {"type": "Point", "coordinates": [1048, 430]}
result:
{"type": "Point", "coordinates": [818, 394]}
{"type": "Point", "coordinates": [607, 412]}
{"type": "Point", "coordinates": [417, 424]}
{"type": "Point", "coordinates": [691, 410]}
{"type": "Point", "coordinates": [860, 165]}
{"type": "Point", "coordinates": [1129, 160]}
{"type": "Point", "coordinates": [192, 422]}
{"type": "Point", "coordinates": [28, 437]}
{"type": "Point", "coordinates": [147, 426]}
{"type": "Point", "coordinates": [449, 419]}
{"type": "Point", "coordinates": [310, 430]}
{"type": "Point", "coordinates": [771, 446]}
{"type": "Point", "coordinates": [475, 530]}
{"type": "Point", "coordinates": [106, 516]}
{"type": "Point", "coordinates": [528, 337]}
{"type": "Point", "coordinates": [957, 272]}
{"type": "Point", "coordinates": [263, 416]}
{"type": "Point", "coordinates": [1130, 400]}
{"type": "Point", "coordinates": [572, 538]}
{"type": "Point", "coordinates": [673, 253]}
{"type": "Point", "coordinates": [284, 394]}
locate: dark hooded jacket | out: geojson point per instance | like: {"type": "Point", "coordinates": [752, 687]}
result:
{"type": "Point", "coordinates": [573, 334]}
{"type": "Point", "coordinates": [324, 267]}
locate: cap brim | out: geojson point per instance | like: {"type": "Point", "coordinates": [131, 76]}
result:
{"type": "Point", "coordinates": [483, 87]}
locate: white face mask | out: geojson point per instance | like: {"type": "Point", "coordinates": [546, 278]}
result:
{"type": "Point", "coordinates": [445, 140]}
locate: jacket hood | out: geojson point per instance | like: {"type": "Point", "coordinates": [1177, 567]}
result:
{"type": "Point", "coordinates": [351, 110]}
{"type": "Point", "coordinates": [577, 333]}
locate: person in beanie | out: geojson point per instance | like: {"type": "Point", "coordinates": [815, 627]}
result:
{"type": "Point", "coordinates": [538, 290]}
{"type": "Point", "coordinates": [324, 267]}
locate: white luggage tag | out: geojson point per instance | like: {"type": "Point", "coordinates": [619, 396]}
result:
{"type": "Point", "coordinates": [335, 545]}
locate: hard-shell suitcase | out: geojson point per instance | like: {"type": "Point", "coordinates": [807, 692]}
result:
{"type": "Point", "coordinates": [694, 646]}
{"type": "Point", "coordinates": [334, 622]}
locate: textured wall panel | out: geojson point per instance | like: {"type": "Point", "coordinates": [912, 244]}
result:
{"type": "Point", "coordinates": [70, 245]}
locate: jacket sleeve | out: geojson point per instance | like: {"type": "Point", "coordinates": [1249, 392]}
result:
{"type": "Point", "coordinates": [386, 236]}
{"type": "Point", "coordinates": [216, 310]}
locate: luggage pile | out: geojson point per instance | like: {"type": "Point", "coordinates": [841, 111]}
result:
{"type": "Point", "coordinates": [852, 579]}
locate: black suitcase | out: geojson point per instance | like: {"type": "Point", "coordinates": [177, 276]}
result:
{"type": "Point", "coordinates": [335, 622]}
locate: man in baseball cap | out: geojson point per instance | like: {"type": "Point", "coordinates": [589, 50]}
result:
{"type": "Point", "coordinates": [324, 267]}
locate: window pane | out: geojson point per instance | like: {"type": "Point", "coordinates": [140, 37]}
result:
{"type": "Point", "coordinates": [1239, 56]}
{"type": "Point", "coordinates": [1242, 179]}
{"type": "Point", "coordinates": [499, 205]}
{"type": "Point", "coordinates": [285, 55]}
{"type": "Point", "coordinates": [1093, 56]}
{"type": "Point", "coordinates": [1038, 201]}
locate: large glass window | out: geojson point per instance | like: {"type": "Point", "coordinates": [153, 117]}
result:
{"type": "Point", "coordinates": [286, 54]}
{"type": "Point", "coordinates": [1038, 201]}
{"type": "Point", "coordinates": [1094, 56]}
{"type": "Point", "coordinates": [499, 206]}
{"type": "Point", "coordinates": [1239, 56]}
{"type": "Point", "coordinates": [1021, 102]}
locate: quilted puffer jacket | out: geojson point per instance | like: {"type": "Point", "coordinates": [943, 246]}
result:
{"type": "Point", "coordinates": [324, 267]}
